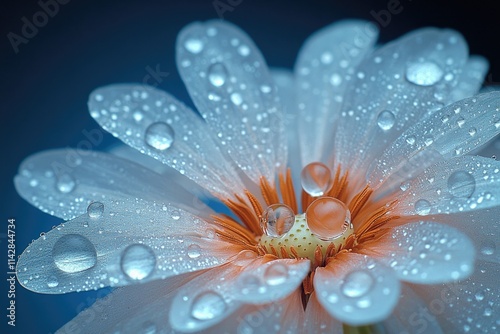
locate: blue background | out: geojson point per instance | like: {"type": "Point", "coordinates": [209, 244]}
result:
{"type": "Point", "coordinates": [44, 87]}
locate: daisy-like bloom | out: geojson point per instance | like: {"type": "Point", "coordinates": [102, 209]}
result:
{"type": "Point", "coordinates": [348, 183]}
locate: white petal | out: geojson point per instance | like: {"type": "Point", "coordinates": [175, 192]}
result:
{"type": "Point", "coordinates": [133, 309]}
{"type": "Point", "coordinates": [205, 301]}
{"type": "Point", "coordinates": [411, 315]}
{"type": "Point", "coordinates": [64, 182]}
{"type": "Point", "coordinates": [425, 252]}
{"type": "Point", "coordinates": [470, 306]}
{"type": "Point", "coordinates": [139, 242]}
{"type": "Point", "coordinates": [262, 283]}
{"type": "Point", "coordinates": [318, 320]}
{"type": "Point", "coordinates": [457, 185]}
{"type": "Point", "coordinates": [228, 80]}
{"type": "Point", "coordinates": [324, 67]}
{"type": "Point", "coordinates": [155, 123]}
{"type": "Point", "coordinates": [452, 131]}
{"type": "Point", "coordinates": [284, 316]}
{"type": "Point", "coordinates": [356, 289]}
{"type": "Point", "coordinates": [395, 87]}
{"type": "Point", "coordinates": [471, 79]}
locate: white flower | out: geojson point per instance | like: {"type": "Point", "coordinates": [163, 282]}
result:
{"type": "Point", "coordinates": [376, 140]}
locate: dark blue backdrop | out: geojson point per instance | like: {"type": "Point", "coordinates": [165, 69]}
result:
{"type": "Point", "coordinates": [44, 86]}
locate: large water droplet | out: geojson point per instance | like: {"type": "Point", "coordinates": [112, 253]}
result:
{"type": "Point", "coordinates": [74, 253]}
{"type": "Point", "coordinates": [461, 184]}
{"type": "Point", "coordinates": [95, 210]}
{"type": "Point", "coordinates": [65, 183]}
{"type": "Point", "coordinates": [52, 282]}
{"type": "Point", "coordinates": [138, 261]}
{"type": "Point", "coordinates": [194, 45]}
{"type": "Point", "coordinates": [217, 74]}
{"type": "Point", "coordinates": [160, 136]}
{"type": "Point", "coordinates": [236, 98]}
{"type": "Point", "coordinates": [385, 120]}
{"type": "Point", "coordinates": [424, 74]}
{"type": "Point", "coordinates": [422, 207]}
{"type": "Point", "coordinates": [276, 274]}
{"type": "Point", "coordinates": [316, 179]}
{"type": "Point", "coordinates": [277, 220]}
{"type": "Point", "coordinates": [208, 305]}
{"type": "Point", "coordinates": [194, 251]}
{"type": "Point", "coordinates": [328, 218]}
{"type": "Point", "coordinates": [357, 284]}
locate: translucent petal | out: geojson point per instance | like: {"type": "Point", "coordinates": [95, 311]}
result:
{"type": "Point", "coordinates": [356, 289]}
{"type": "Point", "coordinates": [141, 308]}
{"type": "Point", "coordinates": [326, 64]}
{"type": "Point", "coordinates": [457, 185]}
{"type": "Point", "coordinates": [393, 88]}
{"type": "Point", "coordinates": [318, 320]}
{"type": "Point", "coordinates": [411, 315]}
{"type": "Point", "coordinates": [228, 80]}
{"type": "Point", "coordinates": [452, 131]}
{"type": "Point", "coordinates": [262, 282]}
{"type": "Point", "coordinates": [471, 79]}
{"type": "Point", "coordinates": [155, 123]}
{"type": "Point", "coordinates": [127, 242]}
{"type": "Point", "coordinates": [64, 182]}
{"type": "Point", "coordinates": [284, 316]}
{"type": "Point", "coordinates": [205, 301]}
{"type": "Point", "coordinates": [424, 252]}
{"type": "Point", "coordinates": [469, 306]}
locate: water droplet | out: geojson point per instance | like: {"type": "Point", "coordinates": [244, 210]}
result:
{"type": "Point", "coordinates": [244, 50]}
{"type": "Point", "coordinates": [422, 207]}
{"type": "Point", "coordinates": [74, 253]}
{"type": "Point", "coordinates": [335, 79]}
{"type": "Point", "coordinates": [217, 74]}
{"type": "Point", "coordinates": [52, 282]}
{"type": "Point", "coordinates": [236, 98]}
{"type": "Point", "coordinates": [138, 116]}
{"type": "Point", "coordinates": [208, 305]}
{"type": "Point", "coordinates": [424, 74]}
{"type": "Point", "coordinates": [277, 220]}
{"type": "Point", "coordinates": [328, 218]}
{"type": "Point", "coordinates": [357, 284]}
{"type": "Point", "coordinates": [65, 183]}
{"type": "Point", "coordinates": [160, 136]}
{"type": "Point", "coordinates": [148, 327]}
{"type": "Point", "coordinates": [461, 184]}
{"type": "Point", "coordinates": [479, 296]}
{"type": "Point", "coordinates": [472, 131]}
{"type": "Point", "coordinates": [194, 45]}
{"type": "Point", "coordinates": [194, 251]}
{"type": "Point", "coordinates": [34, 182]}
{"type": "Point", "coordinates": [488, 247]}
{"type": "Point", "coordinates": [98, 97]}
{"type": "Point", "coordinates": [411, 140]}
{"type": "Point", "coordinates": [175, 215]}
{"type": "Point", "coordinates": [385, 120]}
{"type": "Point", "coordinates": [138, 261]}
{"type": "Point", "coordinates": [316, 179]}
{"type": "Point", "coordinates": [95, 210]}
{"type": "Point", "coordinates": [276, 274]}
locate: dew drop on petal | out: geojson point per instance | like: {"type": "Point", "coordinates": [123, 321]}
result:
{"type": "Point", "coordinates": [316, 179]}
{"type": "Point", "coordinates": [277, 220]}
{"type": "Point", "coordinates": [194, 45]}
{"type": "Point", "coordinates": [217, 74]}
{"type": "Point", "coordinates": [236, 98]}
{"type": "Point", "coordinates": [194, 251]}
{"type": "Point", "coordinates": [461, 184]}
{"type": "Point", "coordinates": [328, 218]}
{"type": "Point", "coordinates": [208, 305]}
{"type": "Point", "coordinates": [422, 207]}
{"type": "Point", "coordinates": [52, 282]}
{"type": "Point", "coordinates": [138, 261]}
{"type": "Point", "coordinates": [276, 274]}
{"type": "Point", "coordinates": [73, 253]}
{"type": "Point", "coordinates": [148, 327]}
{"type": "Point", "coordinates": [357, 284]}
{"type": "Point", "coordinates": [243, 50]}
{"type": "Point", "coordinates": [95, 210]}
{"type": "Point", "coordinates": [488, 247]}
{"type": "Point", "coordinates": [385, 120]}
{"type": "Point", "coordinates": [160, 136]}
{"type": "Point", "coordinates": [65, 183]}
{"type": "Point", "coordinates": [424, 73]}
